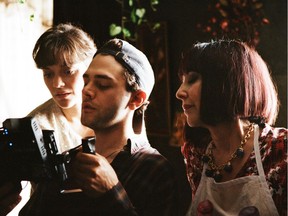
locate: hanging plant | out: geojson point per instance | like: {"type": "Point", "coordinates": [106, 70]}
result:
{"type": "Point", "coordinates": [7, 2]}
{"type": "Point", "coordinates": [239, 19]}
{"type": "Point", "coordinates": [134, 14]}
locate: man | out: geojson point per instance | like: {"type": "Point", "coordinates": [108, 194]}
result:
{"type": "Point", "coordinates": [126, 176]}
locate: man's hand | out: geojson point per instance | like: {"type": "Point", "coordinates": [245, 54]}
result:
{"type": "Point", "coordinates": [93, 173]}
{"type": "Point", "coordinates": [9, 198]}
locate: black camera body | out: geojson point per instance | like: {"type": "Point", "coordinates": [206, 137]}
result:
{"type": "Point", "coordinates": [29, 153]}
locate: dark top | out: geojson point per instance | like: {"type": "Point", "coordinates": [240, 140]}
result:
{"type": "Point", "coordinates": [147, 186]}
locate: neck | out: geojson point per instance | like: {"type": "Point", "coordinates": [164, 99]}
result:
{"type": "Point", "coordinates": [227, 136]}
{"type": "Point", "coordinates": [73, 116]}
{"type": "Point", "coordinates": [225, 162]}
{"type": "Point", "coordinates": [112, 138]}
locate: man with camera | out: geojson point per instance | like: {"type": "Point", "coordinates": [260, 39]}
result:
{"type": "Point", "coordinates": [126, 176]}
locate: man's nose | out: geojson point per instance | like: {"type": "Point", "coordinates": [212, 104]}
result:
{"type": "Point", "coordinates": [88, 91]}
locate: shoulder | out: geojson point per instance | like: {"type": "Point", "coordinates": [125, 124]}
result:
{"type": "Point", "coordinates": [44, 108]}
{"type": "Point", "coordinates": [45, 114]}
{"type": "Point", "coordinates": [273, 149]}
{"type": "Point", "coordinates": [151, 162]}
{"type": "Point", "coordinates": [138, 158]}
{"type": "Point", "coordinates": [273, 142]}
{"type": "Point", "coordinates": [142, 151]}
{"type": "Point", "coordinates": [273, 132]}
{"type": "Point", "coordinates": [150, 155]}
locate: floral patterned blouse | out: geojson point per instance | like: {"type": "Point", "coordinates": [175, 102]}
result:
{"type": "Point", "coordinates": [273, 150]}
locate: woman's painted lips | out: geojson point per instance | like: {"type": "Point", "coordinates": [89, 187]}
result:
{"type": "Point", "coordinates": [186, 107]}
{"type": "Point", "coordinates": [62, 95]}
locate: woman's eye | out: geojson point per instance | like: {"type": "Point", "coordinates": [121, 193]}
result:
{"type": "Point", "coordinates": [192, 80]}
{"type": "Point", "coordinates": [192, 77]}
{"type": "Point", "coordinates": [68, 72]}
{"type": "Point", "coordinates": [47, 75]}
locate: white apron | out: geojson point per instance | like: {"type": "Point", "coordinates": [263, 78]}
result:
{"type": "Point", "coordinates": [229, 197]}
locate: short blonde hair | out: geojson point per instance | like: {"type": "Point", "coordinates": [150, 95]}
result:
{"type": "Point", "coordinates": [63, 44]}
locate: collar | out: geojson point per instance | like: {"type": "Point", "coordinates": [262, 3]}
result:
{"type": "Point", "coordinates": [135, 144]}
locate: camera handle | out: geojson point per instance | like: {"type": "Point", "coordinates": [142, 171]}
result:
{"type": "Point", "coordinates": [88, 145]}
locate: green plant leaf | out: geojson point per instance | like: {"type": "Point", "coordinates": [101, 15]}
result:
{"type": "Point", "coordinates": [126, 33]}
{"type": "Point", "coordinates": [154, 2]}
{"type": "Point", "coordinates": [133, 16]}
{"type": "Point", "coordinates": [130, 3]}
{"type": "Point", "coordinates": [21, 1]}
{"type": "Point", "coordinates": [140, 12]}
{"type": "Point", "coordinates": [32, 17]}
{"type": "Point", "coordinates": [156, 26]}
{"type": "Point", "coordinates": [114, 29]}
{"type": "Point", "coordinates": [139, 22]}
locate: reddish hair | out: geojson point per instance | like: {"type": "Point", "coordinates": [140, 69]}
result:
{"type": "Point", "coordinates": [236, 82]}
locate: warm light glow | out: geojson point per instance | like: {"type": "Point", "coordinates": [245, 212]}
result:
{"type": "Point", "coordinates": [21, 85]}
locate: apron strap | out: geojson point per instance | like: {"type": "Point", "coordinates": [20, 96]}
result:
{"type": "Point", "coordinates": [257, 151]}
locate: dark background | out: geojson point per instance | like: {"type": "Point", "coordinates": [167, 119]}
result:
{"type": "Point", "coordinates": [181, 16]}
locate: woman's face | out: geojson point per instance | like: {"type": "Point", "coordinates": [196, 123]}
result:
{"type": "Point", "coordinates": [189, 93]}
{"type": "Point", "coordinates": [65, 83]}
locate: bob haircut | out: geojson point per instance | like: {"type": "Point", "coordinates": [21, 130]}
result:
{"type": "Point", "coordinates": [63, 44]}
{"type": "Point", "coordinates": [236, 82]}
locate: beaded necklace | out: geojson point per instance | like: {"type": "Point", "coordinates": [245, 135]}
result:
{"type": "Point", "coordinates": [215, 170]}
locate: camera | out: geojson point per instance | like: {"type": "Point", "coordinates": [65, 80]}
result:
{"type": "Point", "coordinates": [29, 153]}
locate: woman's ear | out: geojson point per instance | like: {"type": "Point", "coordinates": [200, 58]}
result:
{"type": "Point", "coordinates": [137, 99]}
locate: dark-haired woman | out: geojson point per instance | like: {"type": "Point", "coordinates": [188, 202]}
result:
{"type": "Point", "coordinates": [235, 158]}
